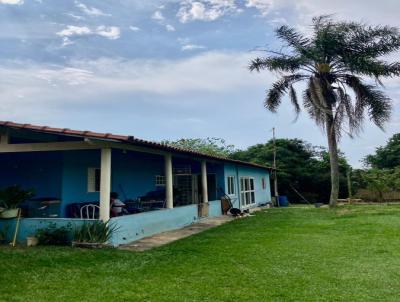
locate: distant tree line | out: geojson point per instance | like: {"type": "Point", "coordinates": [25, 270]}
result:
{"type": "Point", "coordinates": [305, 169]}
{"type": "Point", "coordinates": [382, 170]}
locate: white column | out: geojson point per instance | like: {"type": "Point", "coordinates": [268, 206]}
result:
{"type": "Point", "coordinates": [4, 138]}
{"type": "Point", "coordinates": [105, 184]}
{"type": "Point", "coordinates": [169, 193]}
{"type": "Point", "coordinates": [204, 187]}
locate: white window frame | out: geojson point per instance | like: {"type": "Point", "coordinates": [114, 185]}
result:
{"type": "Point", "coordinates": [160, 181]}
{"type": "Point", "coordinates": [247, 195]}
{"type": "Point", "coordinates": [91, 180]}
{"type": "Point", "coordinates": [231, 185]}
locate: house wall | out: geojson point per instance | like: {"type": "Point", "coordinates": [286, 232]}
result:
{"type": "Point", "coordinates": [261, 195]}
{"type": "Point", "coordinates": [129, 228]}
{"type": "Point", "coordinates": [214, 208]}
{"type": "Point", "coordinates": [134, 227]}
{"type": "Point", "coordinates": [39, 171]}
{"type": "Point", "coordinates": [133, 173]}
{"type": "Point", "coordinates": [75, 177]}
{"type": "Point", "coordinates": [29, 226]}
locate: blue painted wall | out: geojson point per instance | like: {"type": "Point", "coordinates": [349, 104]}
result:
{"type": "Point", "coordinates": [134, 173]}
{"type": "Point", "coordinates": [134, 227]}
{"type": "Point", "coordinates": [261, 195]}
{"type": "Point", "coordinates": [75, 176]}
{"type": "Point", "coordinates": [29, 226]}
{"type": "Point", "coordinates": [38, 170]}
{"type": "Point", "coordinates": [214, 208]}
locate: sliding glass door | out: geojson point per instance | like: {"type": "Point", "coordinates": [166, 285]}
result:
{"type": "Point", "coordinates": [247, 191]}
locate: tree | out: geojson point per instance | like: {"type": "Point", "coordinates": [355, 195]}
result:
{"type": "Point", "coordinates": [332, 61]}
{"type": "Point", "coordinates": [386, 157]}
{"type": "Point", "coordinates": [378, 181]}
{"type": "Point", "coordinates": [301, 166]}
{"type": "Point", "coordinates": [212, 146]}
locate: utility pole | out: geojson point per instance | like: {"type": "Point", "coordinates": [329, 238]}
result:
{"type": "Point", "coordinates": [274, 170]}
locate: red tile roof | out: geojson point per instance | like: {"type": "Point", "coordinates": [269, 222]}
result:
{"type": "Point", "coordinates": [123, 139]}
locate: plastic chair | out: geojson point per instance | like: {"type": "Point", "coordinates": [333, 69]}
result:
{"type": "Point", "coordinates": [90, 210]}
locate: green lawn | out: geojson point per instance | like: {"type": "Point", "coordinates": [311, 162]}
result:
{"type": "Point", "coordinates": [294, 254]}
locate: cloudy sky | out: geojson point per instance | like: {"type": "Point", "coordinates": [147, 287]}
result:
{"type": "Point", "coordinates": [164, 69]}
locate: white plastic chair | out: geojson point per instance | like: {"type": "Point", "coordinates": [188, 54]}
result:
{"type": "Point", "coordinates": [90, 211]}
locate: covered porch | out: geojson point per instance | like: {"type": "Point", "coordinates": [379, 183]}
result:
{"type": "Point", "coordinates": [73, 179]}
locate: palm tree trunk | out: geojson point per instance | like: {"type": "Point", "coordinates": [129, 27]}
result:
{"type": "Point", "coordinates": [334, 161]}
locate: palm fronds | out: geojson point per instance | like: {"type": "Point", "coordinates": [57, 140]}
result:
{"type": "Point", "coordinates": [331, 59]}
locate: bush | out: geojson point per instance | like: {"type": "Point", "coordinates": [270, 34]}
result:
{"type": "Point", "coordinates": [94, 232]}
{"type": "Point", "coordinates": [12, 196]}
{"type": "Point", "coordinates": [53, 235]}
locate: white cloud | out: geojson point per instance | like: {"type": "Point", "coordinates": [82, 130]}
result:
{"type": "Point", "coordinates": [134, 28]}
{"type": "Point", "coordinates": [205, 10]}
{"type": "Point", "coordinates": [93, 79]}
{"type": "Point", "coordinates": [186, 45]}
{"type": "Point", "coordinates": [169, 27]}
{"type": "Point", "coordinates": [109, 32]}
{"type": "Point", "coordinates": [76, 17]}
{"type": "Point", "coordinates": [302, 11]}
{"type": "Point", "coordinates": [264, 6]}
{"type": "Point", "coordinates": [72, 30]}
{"type": "Point", "coordinates": [68, 75]}
{"type": "Point", "coordinates": [41, 94]}
{"type": "Point", "coordinates": [157, 15]}
{"type": "Point", "coordinates": [90, 11]}
{"type": "Point", "coordinates": [66, 42]}
{"type": "Point", "coordinates": [12, 2]}
{"type": "Point", "coordinates": [192, 47]}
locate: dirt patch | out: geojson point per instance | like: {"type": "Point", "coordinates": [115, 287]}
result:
{"type": "Point", "coordinates": [343, 212]}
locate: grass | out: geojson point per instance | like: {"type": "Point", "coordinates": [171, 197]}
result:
{"type": "Point", "coordinates": [294, 254]}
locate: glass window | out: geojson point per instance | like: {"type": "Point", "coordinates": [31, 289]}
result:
{"type": "Point", "coordinates": [160, 180]}
{"type": "Point", "coordinates": [247, 191]}
{"type": "Point", "coordinates": [93, 180]}
{"type": "Point", "coordinates": [231, 185]}
{"type": "Point", "coordinates": [246, 184]}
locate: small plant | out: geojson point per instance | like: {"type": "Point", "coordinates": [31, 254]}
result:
{"type": "Point", "coordinates": [94, 232]}
{"type": "Point", "coordinates": [53, 235]}
{"type": "Point", "coordinates": [12, 196]}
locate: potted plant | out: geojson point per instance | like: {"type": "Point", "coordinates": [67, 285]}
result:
{"type": "Point", "coordinates": [11, 197]}
{"type": "Point", "coordinates": [94, 234]}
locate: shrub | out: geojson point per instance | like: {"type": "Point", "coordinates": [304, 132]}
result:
{"type": "Point", "coordinates": [94, 232]}
{"type": "Point", "coordinates": [12, 196]}
{"type": "Point", "coordinates": [53, 235]}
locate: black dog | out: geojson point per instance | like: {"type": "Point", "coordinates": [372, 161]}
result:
{"type": "Point", "coordinates": [235, 212]}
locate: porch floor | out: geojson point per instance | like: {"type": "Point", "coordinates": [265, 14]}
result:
{"type": "Point", "coordinates": [157, 240]}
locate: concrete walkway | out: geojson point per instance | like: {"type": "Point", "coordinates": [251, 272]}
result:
{"type": "Point", "coordinates": [148, 243]}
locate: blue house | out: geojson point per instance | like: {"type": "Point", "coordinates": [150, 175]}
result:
{"type": "Point", "coordinates": [73, 173]}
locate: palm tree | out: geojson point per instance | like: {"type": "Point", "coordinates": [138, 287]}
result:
{"type": "Point", "coordinates": [338, 57]}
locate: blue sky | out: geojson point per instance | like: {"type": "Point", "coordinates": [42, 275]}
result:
{"type": "Point", "coordinates": [164, 69]}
